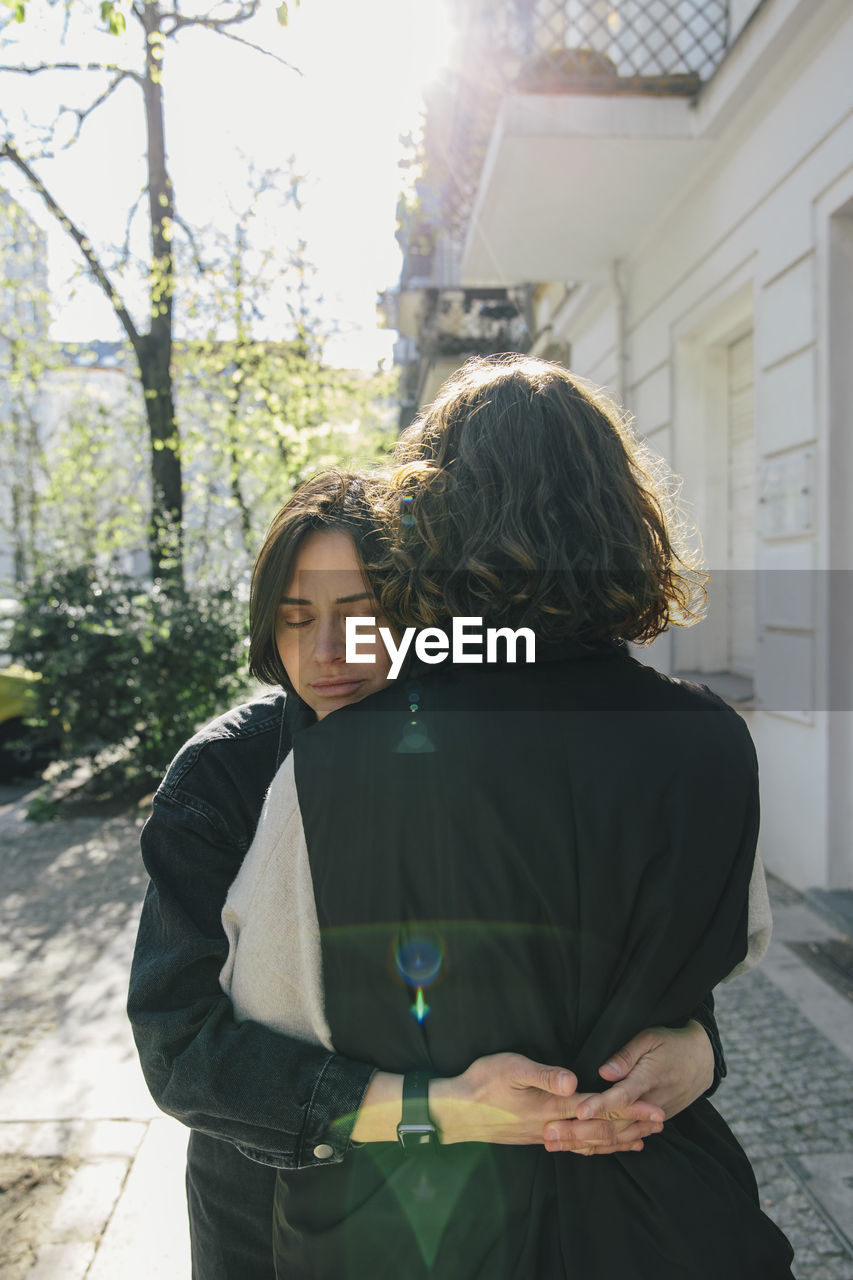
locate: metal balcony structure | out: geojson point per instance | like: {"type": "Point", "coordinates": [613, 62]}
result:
{"type": "Point", "coordinates": [559, 131]}
{"type": "Point", "coordinates": [562, 43]}
{"type": "Point", "coordinates": [552, 51]}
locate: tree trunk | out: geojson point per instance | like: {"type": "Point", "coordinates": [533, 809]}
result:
{"type": "Point", "coordinates": [155, 350]}
{"type": "Point", "coordinates": [164, 537]}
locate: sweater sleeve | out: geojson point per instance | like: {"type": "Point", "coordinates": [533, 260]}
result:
{"type": "Point", "coordinates": [760, 926]}
{"type": "Point", "coordinates": [278, 1098]}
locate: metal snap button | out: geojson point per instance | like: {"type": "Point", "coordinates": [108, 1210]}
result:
{"type": "Point", "coordinates": [323, 1151]}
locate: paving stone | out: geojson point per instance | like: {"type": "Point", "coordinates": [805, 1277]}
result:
{"type": "Point", "coordinates": [55, 1137]}
{"type": "Point", "coordinates": [152, 1209]}
{"type": "Point", "coordinates": [112, 1138]}
{"type": "Point", "coordinates": [89, 1199]}
{"type": "Point", "coordinates": [68, 1261]}
{"type": "Point", "coordinates": [13, 1138]}
{"type": "Point", "coordinates": [829, 1178]}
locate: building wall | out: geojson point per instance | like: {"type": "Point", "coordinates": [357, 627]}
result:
{"type": "Point", "coordinates": [23, 329]}
{"type": "Point", "coordinates": [761, 243]}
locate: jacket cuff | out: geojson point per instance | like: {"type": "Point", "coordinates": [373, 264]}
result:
{"type": "Point", "coordinates": [332, 1112]}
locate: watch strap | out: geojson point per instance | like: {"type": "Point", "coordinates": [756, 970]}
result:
{"type": "Point", "coordinates": [416, 1127]}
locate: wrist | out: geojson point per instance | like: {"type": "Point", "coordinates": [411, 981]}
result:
{"type": "Point", "coordinates": [701, 1037]}
{"type": "Point", "coordinates": [444, 1097]}
{"type": "Point", "coordinates": [417, 1128]}
{"type": "Point", "coordinates": [379, 1113]}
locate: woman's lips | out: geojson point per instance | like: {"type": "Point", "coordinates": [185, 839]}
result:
{"type": "Point", "coordinates": [336, 688]}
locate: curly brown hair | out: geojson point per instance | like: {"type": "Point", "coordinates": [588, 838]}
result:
{"type": "Point", "coordinates": [331, 501]}
{"type": "Point", "coordinates": [521, 496]}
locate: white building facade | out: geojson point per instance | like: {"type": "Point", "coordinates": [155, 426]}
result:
{"type": "Point", "coordinates": [688, 244]}
{"type": "Point", "coordinates": [23, 333]}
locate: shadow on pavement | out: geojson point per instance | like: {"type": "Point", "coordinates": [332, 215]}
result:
{"type": "Point", "coordinates": [71, 890]}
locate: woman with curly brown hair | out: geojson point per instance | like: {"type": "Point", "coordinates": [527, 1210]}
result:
{"type": "Point", "coordinates": [523, 497]}
{"type": "Point", "coordinates": [543, 858]}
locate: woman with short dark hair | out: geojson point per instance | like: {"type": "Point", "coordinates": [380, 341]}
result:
{"type": "Point", "coordinates": [257, 1096]}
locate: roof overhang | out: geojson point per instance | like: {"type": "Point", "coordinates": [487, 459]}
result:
{"type": "Point", "coordinates": [573, 181]}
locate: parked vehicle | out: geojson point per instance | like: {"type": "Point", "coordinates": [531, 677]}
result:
{"type": "Point", "coordinates": [28, 742]}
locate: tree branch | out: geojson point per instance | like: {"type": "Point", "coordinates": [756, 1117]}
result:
{"type": "Point", "coordinates": [190, 234]}
{"type": "Point", "coordinates": [84, 114]}
{"type": "Point", "coordinates": [74, 66]}
{"type": "Point", "coordinates": [218, 25]}
{"type": "Point", "coordinates": [243, 14]}
{"type": "Point", "coordinates": [9, 152]}
{"type": "Point", "coordinates": [125, 249]}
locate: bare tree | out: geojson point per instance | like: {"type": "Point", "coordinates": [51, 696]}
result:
{"type": "Point", "coordinates": [156, 25]}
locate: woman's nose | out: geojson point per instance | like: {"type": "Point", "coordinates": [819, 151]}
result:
{"type": "Point", "coordinates": [330, 641]}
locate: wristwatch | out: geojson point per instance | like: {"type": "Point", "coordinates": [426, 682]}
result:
{"type": "Point", "coordinates": [416, 1128]}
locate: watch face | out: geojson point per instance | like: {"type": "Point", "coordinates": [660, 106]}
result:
{"type": "Point", "coordinates": [417, 1135]}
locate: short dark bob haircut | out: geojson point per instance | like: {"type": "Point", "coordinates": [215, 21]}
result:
{"type": "Point", "coordinates": [522, 497]}
{"type": "Point", "coordinates": [332, 501]}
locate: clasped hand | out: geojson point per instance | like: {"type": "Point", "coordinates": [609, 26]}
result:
{"type": "Point", "coordinates": [509, 1099]}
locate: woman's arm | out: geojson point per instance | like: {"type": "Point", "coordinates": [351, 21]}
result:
{"type": "Point", "coordinates": [502, 1098]}
{"type": "Point", "coordinates": [275, 1097]}
{"type": "Point", "coordinates": [281, 1100]}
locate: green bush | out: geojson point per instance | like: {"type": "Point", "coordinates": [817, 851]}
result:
{"type": "Point", "coordinates": [130, 665]}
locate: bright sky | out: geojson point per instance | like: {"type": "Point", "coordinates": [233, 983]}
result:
{"type": "Point", "coordinates": [364, 65]}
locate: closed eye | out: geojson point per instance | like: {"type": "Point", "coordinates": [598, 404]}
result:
{"type": "Point", "coordinates": [292, 621]}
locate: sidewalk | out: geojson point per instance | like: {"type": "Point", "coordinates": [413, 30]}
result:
{"type": "Point", "coordinates": [73, 1089]}
{"type": "Point", "coordinates": [73, 1101]}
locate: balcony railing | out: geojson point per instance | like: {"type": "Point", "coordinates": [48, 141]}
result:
{"type": "Point", "coordinates": [658, 47]}
{"type": "Point", "coordinates": [549, 44]}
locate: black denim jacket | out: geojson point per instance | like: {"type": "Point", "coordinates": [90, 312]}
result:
{"type": "Point", "coordinates": [280, 1100]}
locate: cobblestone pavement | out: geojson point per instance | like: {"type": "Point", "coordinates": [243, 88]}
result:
{"type": "Point", "coordinates": [789, 1098]}
{"type": "Point", "coordinates": [70, 1086]}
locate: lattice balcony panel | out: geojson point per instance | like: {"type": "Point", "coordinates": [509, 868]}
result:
{"type": "Point", "coordinates": [621, 39]}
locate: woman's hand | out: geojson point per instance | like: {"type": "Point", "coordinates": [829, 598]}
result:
{"type": "Point", "coordinates": [504, 1098]}
{"type": "Point", "coordinates": [664, 1067]}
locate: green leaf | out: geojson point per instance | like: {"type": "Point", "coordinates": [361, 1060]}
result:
{"type": "Point", "coordinates": [282, 14]}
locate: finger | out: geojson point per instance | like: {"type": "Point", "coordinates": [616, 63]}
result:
{"type": "Point", "coordinates": [630, 1139]}
{"type": "Point", "coordinates": [536, 1075]}
{"type": "Point", "coordinates": [620, 1102]}
{"type": "Point", "coordinates": [602, 1151]}
{"type": "Point", "coordinates": [636, 1132]}
{"type": "Point", "coordinates": [625, 1059]}
{"type": "Point", "coordinates": [575, 1135]}
{"type": "Point", "coordinates": [611, 1101]}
